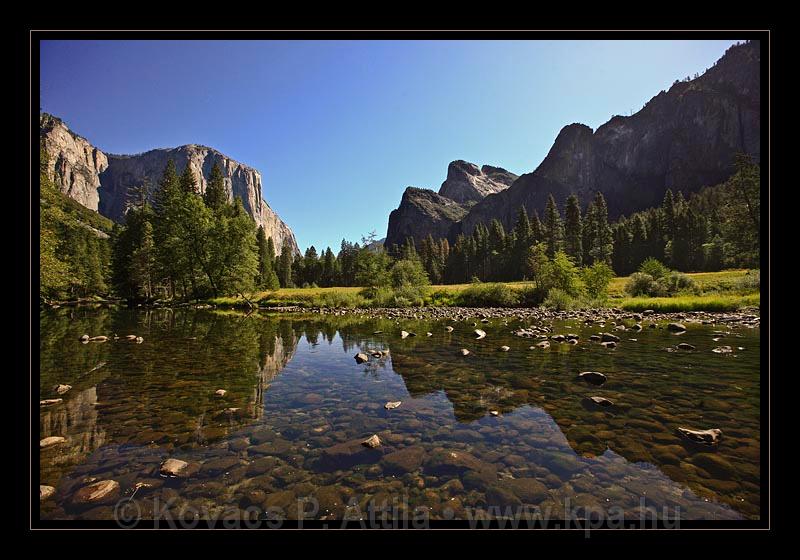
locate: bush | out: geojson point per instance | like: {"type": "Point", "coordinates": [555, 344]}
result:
{"type": "Point", "coordinates": [441, 298]}
{"type": "Point", "coordinates": [596, 279]}
{"type": "Point", "coordinates": [404, 296]}
{"type": "Point", "coordinates": [559, 300]}
{"type": "Point", "coordinates": [339, 299]}
{"type": "Point", "coordinates": [488, 295]}
{"type": "Point", "coordinates": [531, 296]}
{"type": "Point", "coordinates": [751, 281]}
{"type": "Point", "coordinates": [654, 268]}
{"type": "Point", "coordinates": [639, 284]}
{"type": "Point", "coordinates": [408, 272]}
{"type": "Point", "coordinates": [673, 283]}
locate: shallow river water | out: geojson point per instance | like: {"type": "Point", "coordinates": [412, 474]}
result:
{"type": "Point", "coordinates": [489, 433]}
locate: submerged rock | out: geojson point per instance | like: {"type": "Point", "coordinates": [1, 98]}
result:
{"type": "Point", "coordinates": [464, 352]}
{"type": "Point", "coordinates": [101, 492]}
{"type": "Point", "coordinates": [348, 454]}
{"type": "Point", "coordinates": [404, 334]}
{"type": "Point", "coordinates": [685, 346]}
{"type": "Point", "coordinates": [479, 334]}
{"type": "Point", "coordinates": [449, 329]}
{"type": "Point", "coordinates": [609, 344]}
{"type": "Point", "coordinates": [220, 392]}
{"type": "Point", "coordinates": [608, 337]}
{"type": "Point", "coordinates": [593, 377]}
{"type": "Point", "coordinates": [84, 338]}
{"type": "Point", "coordinates": [361, 357]}
{"type": "Point", "coordinates": [101, 338]}
{"type": "Point", "coordinates": [676, 327]}
{"type": "Point", "coordinates": [45, 492]}
{"type": "Point", "coordinates": [48, 402]}
{"type": "Point", "coordinates": [61, 388]}
{"type": "Point", "coordinates": [600, 401]}
{"type": "Point", "coordinates": [404, 461]}
{"type": "Point", "coordinates": [372, 441]}
{"type": "Point", "coordinates": [543, 344]}
{"type": "Point", "coordinates": [708, 437]}
{"type": "Point", "coordinates": [392, 404]}
{"type": "Point", "coordinates": [504, 348]}
{"type": "Point", "coordinates": [50, 441]}
{"type": "Point", "coordinates": [173, 468]}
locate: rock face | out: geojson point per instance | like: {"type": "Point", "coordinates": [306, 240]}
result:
{"type": "Point", "coordinates": [467, 183]}
{"type": "Point", "coordinates": [682, 139]}
{"type": "Point", "coordinates": [73, 163]}
{"type": "Point", "coordinates": [101, 181]}
{"type": "Point", "coordinates": [423, 211]}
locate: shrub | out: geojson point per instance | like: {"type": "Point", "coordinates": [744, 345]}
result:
{"type": "Point", "coordinates": [559, 300]}
{"type": "Point", "coordinates": [408, 272]}
{"type": "Point", "coordinates": [488, 295]}
{"type": "Point", "coordinates": [531, 296]}
{"type": "Point", "coordinates": [654, 268]}
{"type": "Point", "coordinates": [672, 283]}
{"type": "Point", "coordinates": [751, 281]}
{"type": "Point", "coordinates": [639, 284]}
{"type": "Point", "coordinates": [339, 299]}
{"type": "Point", "coordinates": [596, 279]}
{"type": "Point", "coordinates": [441, 298]}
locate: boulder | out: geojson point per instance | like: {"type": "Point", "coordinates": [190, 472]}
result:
{"type": "Point", "coordinates": [479, 334]}
{"type": "Point", "coordinates": [361, 357]}
{"type": "Point", "coordinates": [404, 461]}
{"type": "Point", "coordinates": [593, 377]}
{"type": "Point", "coordinates": [45, 492]}
{"type": "Point", "coordinates": [50, 441]}
{"type": "Point", "coordinates": [348, 454]}
{"type": "Point", "coordinates": [101, 492]}
{"type": "Point", "coordinates": [708, 437]}
{"type": "Point", "coordinates": [676, 327]}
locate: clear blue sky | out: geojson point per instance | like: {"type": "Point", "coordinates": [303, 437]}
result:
{"type": "Point", "coordinates": [339, 129]}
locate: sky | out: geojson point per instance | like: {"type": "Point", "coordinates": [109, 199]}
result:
{"type": "Point", "coordinates": [339, 129]}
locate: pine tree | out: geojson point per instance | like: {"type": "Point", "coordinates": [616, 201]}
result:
{"type": "Point", "coordinates": [602, 246]}
{"type": "Point", "coordinates": [553, 228]}
{"type": "Point", "coordinates": [215, 196]}
{"type": "Point", "coordinates": [573, 230]}
{"type": "Point", "coordinates": [188, 181]}
{"type": "Point", "coordinates": [285, 261]}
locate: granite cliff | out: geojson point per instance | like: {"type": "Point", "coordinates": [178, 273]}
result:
{"type": "Point", "coordinates": [101, 181]}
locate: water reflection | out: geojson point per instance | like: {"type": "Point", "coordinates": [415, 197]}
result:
{"type": "Point", "coordinates": [296, 401]}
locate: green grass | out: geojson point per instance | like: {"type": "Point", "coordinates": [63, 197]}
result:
{"type": "Point", "coordinates": [714, 291]}
{"type": "Point", "coordinates": [712, 302]}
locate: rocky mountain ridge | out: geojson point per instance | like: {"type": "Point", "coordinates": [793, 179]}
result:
{"type": "Point", "coordinates": [101, 181]}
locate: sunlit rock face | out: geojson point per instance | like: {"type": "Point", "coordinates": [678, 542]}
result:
{"type": "Point", "coordinates": [466, 182]}
{"type": "Point", "coordinates": [102, 181]}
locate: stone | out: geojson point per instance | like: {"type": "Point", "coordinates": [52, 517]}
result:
{"type": "Point", "coordinates": [372, 442]}
{"type": "Point", "coordinates": [174, 468]}
{"type": "Point", "coordinates": [45, 492]}
{"type": "Point", "coordinates": [406, 460]}
{"type": "Point", "coordinates": [220, 465]}
{"type": "Point", "coordinates": [448, 329]}
{"type": "Point", "coordinates": [50, 441]}
{"type": "Point", "coordinates": [361, 358]}
{"type": "Point", "coordinates": [593, 377]}
{"type": "Point", "coordinates": [543, 344]}
{"type": "Point", "coordinates": [404, 334]}
{"type": "Point", "coordinates": [101, 338]}
{"type": "Point", "coordinates": [392, 405]}
{"type": "Point", "coordinates": [601, 401]}
{"type": "Point", "coordinates": [499, 496]}
{"type": "Point", "coordinates": [494, 412]}
{"type": "Point", "coordinates": [61, 388]}
{"type": "Point", "coordinates": [708, 437]}
{"type": "Point", "coordinates": [676, 327]}
{"type": "Point", "coordinates": [347, 455]}
{"type": "Point", "coordinates": [609, 344]}
{"type": "Point", "coordinates": [607, 337]}
{"type": "Point", "coordinates": [685, 346]}
{"type": "Point", "coordinates": [722, 350]}
{"type": "Point", "coordinates": [528, 490]}
{"type": "Point", "coordinates": [479, 334]}
{"type": "Point", "coordinates": [504, 349]}
{"type": "Point", "coordinates": [84, 338]}
{"type": "Point", "coordinates": [101, 492]}
{"type": "Point", "coordinates": [464, 352]}
{"type": "Point", "coordinates": [452, 462]}
{"type": "Point", "coordinates": [220, 392]}
{"type": "Point", "coordinates": [714, 465]}
{"type": "Point", "coordinates": [50, 402]}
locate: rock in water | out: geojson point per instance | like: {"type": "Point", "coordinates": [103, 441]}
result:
{"type": "Point", "coordinates": [464, 352]}
{"type": "Point", "coordinates": [101, 338]}
{"type": "Point", "coordinates": [173, 468]}
{"type": "Point", "coordinates": [593, 377]}
{"type": "Point", "coordinates": [48, 402]}
{"type": "Point", "coordinates": [504, 349]}
{"type": "Point", "coordinates": [543, 344]}
{"type": "Point", "coordinates": [448, 329]}
{"type": "Point", "coordinates": [61, 389]}
{"type": "Point", "coordinates": [45, 492]}
{"type": "Point", "coordinates": [722, 350]}
{"type": "Point", "coordinates": [50, 441]}
{"type": "Point", "coordinates": [220, 392]}
{"type": "Point", "coordinates": [609, 344]}
{"type": "Point", "coordinates": [479, 334]}
{"type": "Point", "coordinates": [102, 492]}
{"type": "Point", "coordinates": [608, 337]}
{"type": "Point", "coordinates": [361, 358]}
{"type": "Point", "coordinates": [404, 334]}
{"type": "Point", "coordinates": [601, 401]}
{"type": "Point", "coordinates": [685, 346]}
{"type": "Point", "coordinates": [703, 437]}
{"type": "Point", "coordinates": [392, 404]}
{"type": "Point", "coordinates": [676, 327]}
{"type": "Point", "coordinates": [372, 442]}
{"type": "Point", "coordinates": [494, 412]}
{"type": "Point", "coordinates": [84, 338]}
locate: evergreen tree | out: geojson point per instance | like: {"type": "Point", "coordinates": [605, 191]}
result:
{"type": "Point", "coordinates": [602, 243]}
{"type": "Point", "coordinates": [553, 228]}
{"type": "Point", "coordinates": [215, 196]}
{"type": "Point", "coordinates": [285, 265]}
{"type": "Point", "coordinates": [573, 230]}
{"type": "Point", "coordinates": [187, 181]}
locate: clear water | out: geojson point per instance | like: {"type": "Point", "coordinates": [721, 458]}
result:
{"type": "Point", "coordinates": [300, 395]}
